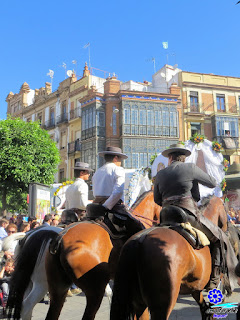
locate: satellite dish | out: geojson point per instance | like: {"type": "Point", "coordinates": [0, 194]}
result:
{"type": "Point", "coordinates": [162, 74]}
{"type": "Point", "coordinates": [69, 73]}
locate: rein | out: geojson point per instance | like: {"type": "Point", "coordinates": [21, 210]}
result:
{"type": "Point", "coordinates": [142, 218]}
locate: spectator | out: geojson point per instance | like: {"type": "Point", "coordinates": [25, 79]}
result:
{"type": "Point", "coordinates": [25, 227]}
{"type": "Point", "coordinates": [34, 225]}
{"type": "Point", "coordinates": [31, 219]}
{"type": "Point", "coordinates": [5, 275]}
{"type": "Point", "coordinates": [19, 222]}
{"type": "Point", "coordinates": [55, 222]}
{"type": "Point", "coordinates": [3, 225]}
{"type": "Point", "coordinates": [47, 220]}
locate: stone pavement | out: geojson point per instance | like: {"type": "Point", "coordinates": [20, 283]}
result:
{"type": "Point", "coordinates": [186, 308]}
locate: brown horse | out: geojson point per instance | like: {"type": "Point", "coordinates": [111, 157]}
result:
{"type": "Point", "coordinates": [88, 257]}
{"type": "Point", "coordinates": [157, 265]}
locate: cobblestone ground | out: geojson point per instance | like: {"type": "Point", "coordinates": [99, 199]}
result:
{"type": "Point", "coordinates": [186, 308]}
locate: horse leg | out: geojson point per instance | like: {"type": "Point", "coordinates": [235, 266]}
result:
{"type": "Point", "coordinates": [93, 284]}
{"type": "Point", "coordinates": [34, 294]}
{"type": "Point", "coordinates": [198, 297]}
{"type": "Point", "coordinates": [58, 285]}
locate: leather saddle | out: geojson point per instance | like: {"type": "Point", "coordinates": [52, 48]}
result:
{"type": "Point", "coordinates": [172, 217]}
{"type": "Point", "coordinates": [116, 222]}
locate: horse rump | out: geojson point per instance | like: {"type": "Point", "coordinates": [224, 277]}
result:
{"type": "Point", "coordinates": [29, 254]}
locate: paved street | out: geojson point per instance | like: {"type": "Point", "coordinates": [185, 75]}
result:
{"type": "Point", "coordinates": [186, 308]}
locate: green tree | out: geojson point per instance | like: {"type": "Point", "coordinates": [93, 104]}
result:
{"type": "Point", "coordinates": [27, 154]}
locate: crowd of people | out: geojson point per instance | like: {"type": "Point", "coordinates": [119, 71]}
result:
{"type": "Point", "coordinates": [234, 216]}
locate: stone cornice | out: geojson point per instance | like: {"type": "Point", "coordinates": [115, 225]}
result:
{"type": "Point", "coordinates": [209, 86]}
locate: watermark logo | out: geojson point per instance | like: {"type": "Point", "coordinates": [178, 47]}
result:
{"type": "Point", "coordinates": [218, 309]}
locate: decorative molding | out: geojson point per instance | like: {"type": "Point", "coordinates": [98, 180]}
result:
{"type": "Point", "coordinates": [149, 98]}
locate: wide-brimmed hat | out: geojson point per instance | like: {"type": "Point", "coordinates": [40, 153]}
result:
{"type": "Point", "coordinates": [177, 147]}
{"type": "Point", "coordinates": [82, 166]}
{"type": "Point", "coordinates": [114, 151]}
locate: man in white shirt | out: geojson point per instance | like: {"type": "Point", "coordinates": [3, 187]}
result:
{"type": "Point", "coordinates": [108, 187]}
{"type": "Point", "coordinates": [77, 193]}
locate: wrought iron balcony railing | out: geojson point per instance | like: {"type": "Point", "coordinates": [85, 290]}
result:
{"type": "Point", "coordinates": [74, 146]}
{"type": "Point", "coordinates": [62, 118]}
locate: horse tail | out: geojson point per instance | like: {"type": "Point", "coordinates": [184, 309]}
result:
{"type": "Point", "coordinates": [29, 255]}
{"type": "Point", "coordinates": [125, 283]}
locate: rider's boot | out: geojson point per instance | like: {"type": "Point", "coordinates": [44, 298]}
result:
{"type": "Point", "coordinates": [216, 263]}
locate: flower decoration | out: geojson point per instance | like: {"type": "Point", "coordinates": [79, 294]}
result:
{"type": "Point", "coordinates": [216, 146]}
{"type": "Point", "coordinates": [223, 184]}
{"type": "Point", "coordinates": [225, 164]}
{"type": "Point", "coordinates": [215, 296]}
{"type": "Point", "coordinates": [197, 138]}
{"type": "Point", "coordinates": [63, 185]}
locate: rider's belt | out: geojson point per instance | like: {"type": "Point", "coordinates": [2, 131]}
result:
{"type": "Point", "coordinates": [100, 199]}
{"type": "Point", "coordinates": [172, 198]}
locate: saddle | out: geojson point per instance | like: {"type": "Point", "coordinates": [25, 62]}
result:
{"type": "Point", "coordinates": [114, 221]}
{"type": "Point", "coordinates": [176, 218]}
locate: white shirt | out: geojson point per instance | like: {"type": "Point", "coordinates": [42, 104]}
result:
{"type": "Point", "coordinates": [108, 181]}
{"type": "Point", "coordinates": [77, 195]}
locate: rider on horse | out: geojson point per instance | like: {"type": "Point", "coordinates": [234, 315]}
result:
{"type": "Point", "coordinates": [177, 185]}
{"type": "Point", "coordinates": [108, 189]}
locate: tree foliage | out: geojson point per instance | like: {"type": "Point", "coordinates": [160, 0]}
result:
{"type": "Point", "coordinates": [27, 154]}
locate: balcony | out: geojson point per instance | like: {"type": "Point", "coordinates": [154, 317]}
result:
{"type": "Point", "coordinates": [62, 118]}
{"type": "Point", "coordinates": [74, 146]}
{"type": "Point", "coordinates": [49, 124]}
{"type": "Point", "coordinates": [228, 142]}
{"type": "Point", "coordinates": [76, 113]}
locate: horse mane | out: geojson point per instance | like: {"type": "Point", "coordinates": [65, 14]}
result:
{"type": "Point", "coordinates": [139, 199]}
{"type": "Point", "coordinates": [205, 202]}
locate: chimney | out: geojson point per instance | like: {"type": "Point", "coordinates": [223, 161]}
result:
{"type": "Point", "coordinates": [175, 89]}
{"type": "Point", "coordinates": [48, 88]}
{"type": "Point", "coordinates": [111, 85]}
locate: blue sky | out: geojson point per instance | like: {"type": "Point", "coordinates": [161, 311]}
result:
{"type": "Point", "coordinates": [203, 36]}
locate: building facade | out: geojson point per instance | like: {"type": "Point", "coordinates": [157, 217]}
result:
{"type": "Point", "coordinates": [86, 115]}
{"type": "Point", "coordinates": [211, 108]}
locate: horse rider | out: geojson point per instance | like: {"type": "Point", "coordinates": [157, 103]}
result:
{"type": "Point", "coordinates": [77, 193]}
{"type": "Point", "coordinates": [108, 188]}
{"type": "Point", "coordinates": [177, 185]}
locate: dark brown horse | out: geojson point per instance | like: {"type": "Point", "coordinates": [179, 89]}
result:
{"type": "Point", "coordinates": [157, 265]}
{"type": "Point", "coordinates": [88, 257]}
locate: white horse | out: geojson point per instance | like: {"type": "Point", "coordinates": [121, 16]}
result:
{"type": "Point", "coordinates": [29, 281]}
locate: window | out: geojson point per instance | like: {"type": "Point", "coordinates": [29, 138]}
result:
{"type": "Point", "coordinates": [195, 128]}
{"type": "Point", "coordinates": [114, 121]}
{"type": "Point", "coordinates": [226, 126]}
{"type": "Point", "coordinates": [61, 175]}
{"type": "Point", "coordinates": [139, 150]}
{"type": "Point", "coordinates": [221, 102]}
{"type": "Point", "coordinates": [39, 117]}
{"type": "Point", "coordinates": [52, 116]}
{"type": "Point", "coordinates": [63, 140]}
{"type": "Point", "coordinates": [150, 120]}
{"type": "Point", "coordinates": [194, 107]}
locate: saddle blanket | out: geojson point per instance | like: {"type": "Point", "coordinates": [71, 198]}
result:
{"type": "Point", "coordinates": [196, 233]}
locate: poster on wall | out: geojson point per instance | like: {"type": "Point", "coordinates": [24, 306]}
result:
{"type": "Point", "coordinates": [39, 201]}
